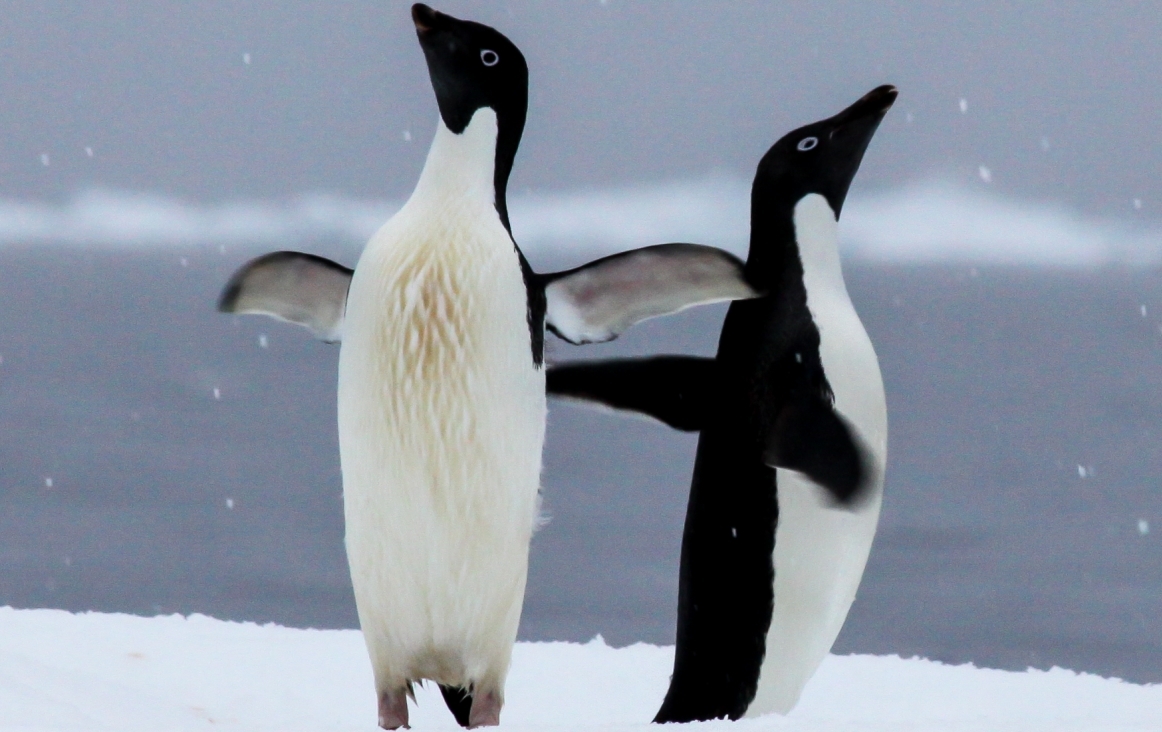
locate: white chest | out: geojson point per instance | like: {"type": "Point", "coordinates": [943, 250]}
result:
{"type": "Point", "coordinates": [436, 376]}
{"type": "Point", "coordinates": [849, 359]}
{"type": "Point", "coordinates": [441, 422]}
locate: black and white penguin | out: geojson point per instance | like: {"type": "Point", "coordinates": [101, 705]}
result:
{"type": "Point", "coordinates": [441, 388]}
{"type": "Point", "coordinates": [788, 476]}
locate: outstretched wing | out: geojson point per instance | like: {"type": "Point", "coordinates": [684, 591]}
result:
{"type": "Point", "coordinates": [809, 436]}
{"type": "Point", "coordinates": [292, 286]}
{"type": "Point", "coordinates": [675, 390]}
{"type": "Point", "coordinates": [597, 301]}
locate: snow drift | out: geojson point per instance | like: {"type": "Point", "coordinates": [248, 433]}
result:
{"type": "Point", "coordinates": [924, 222]}
{"type": "Point", "coordinates": [95, 672]}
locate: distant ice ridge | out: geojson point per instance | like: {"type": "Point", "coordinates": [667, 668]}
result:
{"type": "Point", "coordinates": [99, 672]}
{"type": "Point", "coordinates": [102, 217]}
{"type": "Point", "coordinates": [941, 222]}
{"type": "Point", "coordinates": [923, 222]}
{"type": "Point", "coordinates": [713, 211]}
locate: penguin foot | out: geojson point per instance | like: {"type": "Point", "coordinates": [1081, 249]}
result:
{"type": "Point", "coordinates": [393, 709]}
{"type": "Point", "coordinates": [485, 710]}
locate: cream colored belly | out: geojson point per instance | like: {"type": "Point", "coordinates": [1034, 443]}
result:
{"type": "Point", "coordinates": [441, 425]}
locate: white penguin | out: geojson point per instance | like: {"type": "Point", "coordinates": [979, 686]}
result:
{"type": "Point", "coordinates": [441, 382]}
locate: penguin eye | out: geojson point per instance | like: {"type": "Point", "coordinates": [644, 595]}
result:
{"type": "Point", "coordinates": [489, 57]}
{"type": "Point", "coordinates": [808, 143]}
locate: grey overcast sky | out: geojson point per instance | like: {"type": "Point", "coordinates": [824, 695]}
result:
{"type": "Point", "coordinates": [621, 92]}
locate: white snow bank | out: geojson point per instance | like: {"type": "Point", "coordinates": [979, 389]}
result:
{"type": "Point", "coordinates": [924, 222]}
{"type": "Point", "coordinates": [95, 672]}
{"type": "Point", "coordinates": [103, 217]}
{"type": "Point", "coordinates": [937, 222]}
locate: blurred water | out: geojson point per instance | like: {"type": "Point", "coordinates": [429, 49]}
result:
{"type": "Point", "coordinates": [1004, 385]}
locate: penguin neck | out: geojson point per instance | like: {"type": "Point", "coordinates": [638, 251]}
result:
{"type": "Point", "coordinates": [790, 237]}
{"type": "Point", "coordinates": [463, 166]}
{"type": "Point", "coordinates": [817, 239]}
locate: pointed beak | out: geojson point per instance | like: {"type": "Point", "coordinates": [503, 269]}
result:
{"type": "Point", "coordinates": [851, 133]}
{"type": "Point", "coordinates": [425, 19]}
{"type": "Point", "coordinates": [873, 105]}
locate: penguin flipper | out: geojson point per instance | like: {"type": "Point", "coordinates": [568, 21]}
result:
{"type": "Point", "coordinates": [671, 389]}
{"type": "Point", "coordinates": [599, 300]}
{"type": "Point", "coordinates": [299, 288]}
{"type": "Point", "coordinates": [810, 437]}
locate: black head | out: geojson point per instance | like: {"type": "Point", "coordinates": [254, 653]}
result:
{"type": "Point", "coordinates": [473, 67]}
{"type": "Point", "coordinates": [823, 157]}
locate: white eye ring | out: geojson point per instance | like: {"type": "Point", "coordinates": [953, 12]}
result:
{"type": "Point", "coordinates": [489, 57]}
{"type": "Point", "coordinates": [808, 143]}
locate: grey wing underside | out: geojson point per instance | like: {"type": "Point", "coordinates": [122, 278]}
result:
{"type": "Point", "coordinates": [598, 301]}
{"type": "Point", "coordinates": [807, 434]}
{"type": "Point", "coordinates": [591, 303]}
{"type": "Point", "coordinates": [299, 288]}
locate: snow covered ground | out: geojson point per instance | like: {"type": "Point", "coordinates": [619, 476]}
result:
{"type": "Point", "coordinates": [60, 671]}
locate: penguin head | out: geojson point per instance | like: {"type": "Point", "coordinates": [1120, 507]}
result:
{"type": "Point", "coordinates": [472, 67]}
{"type": "Point", "coordinates": [823, 157]}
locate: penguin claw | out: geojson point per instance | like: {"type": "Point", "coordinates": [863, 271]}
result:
{"type": "Point", "coordinates": [393, 710]}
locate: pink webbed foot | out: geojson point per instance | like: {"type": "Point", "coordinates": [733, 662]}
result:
{"type": "Point", "coordinates": [485, 710]}
{"type": "Point", "coordinates": [393, 709]}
